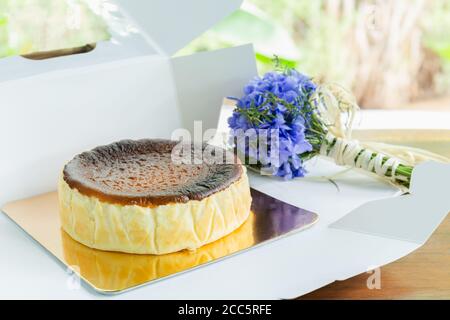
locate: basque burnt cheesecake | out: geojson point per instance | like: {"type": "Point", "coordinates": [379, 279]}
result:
{"type": "Point", "coordinates": [130, 196]}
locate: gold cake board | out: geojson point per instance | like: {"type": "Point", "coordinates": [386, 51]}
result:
{"type": "Point", "coordinates": [114, 272]}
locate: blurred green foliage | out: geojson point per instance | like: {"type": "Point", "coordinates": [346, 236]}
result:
{"type": "Point", "coordinates": [437, 26]}
{"type": "Point", "coordinates": [309, 36]}
{"type": "Point", "coordinates": [291, 29]}
{"type": "Point", "coordinates": [301, 33]}
{"type": "Point", "coordinates": [297, 33]}
{"type": "Point", "coordinates": [42, 25]}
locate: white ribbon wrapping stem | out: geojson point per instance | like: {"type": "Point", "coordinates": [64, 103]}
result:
{"type": "Point", "coordinates": [350, 153]}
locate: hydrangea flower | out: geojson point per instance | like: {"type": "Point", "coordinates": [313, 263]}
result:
{"type": "Point", "coordinates": [277, 103]}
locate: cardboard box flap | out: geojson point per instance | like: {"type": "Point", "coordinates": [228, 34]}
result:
{"type": "Point", "coordinates": [411, 217]}
{"type": "Point", "coordinates": [48, 120]}
{"type": "Point", "coordinates": [130, 47]}
{"type": "Point", "coordinates": [227, 78]}
{"type": "Point", "coordinates": [169, 25]}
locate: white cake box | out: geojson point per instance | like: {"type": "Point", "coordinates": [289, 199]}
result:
{"type": "Point", "coordinates": [127, 88]}
{"type": "Point", "coordinates": [53, 109]}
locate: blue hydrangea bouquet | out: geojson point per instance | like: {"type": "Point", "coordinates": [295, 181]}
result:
{"type": "Point", "coordinates": [284, 119]}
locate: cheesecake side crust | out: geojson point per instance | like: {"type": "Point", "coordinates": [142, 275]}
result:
{"type": "Point", "coordinates": [155, 230]}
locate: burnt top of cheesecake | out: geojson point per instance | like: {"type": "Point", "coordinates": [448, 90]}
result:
{"type": "Point", "coordinates": [143, 173]}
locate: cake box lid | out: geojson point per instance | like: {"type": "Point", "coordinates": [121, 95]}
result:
{"type": "Point", "coordinates": [169, 25]}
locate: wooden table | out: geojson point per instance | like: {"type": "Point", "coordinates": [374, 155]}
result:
{"type": "Point", "coordinates": [423, 274]}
